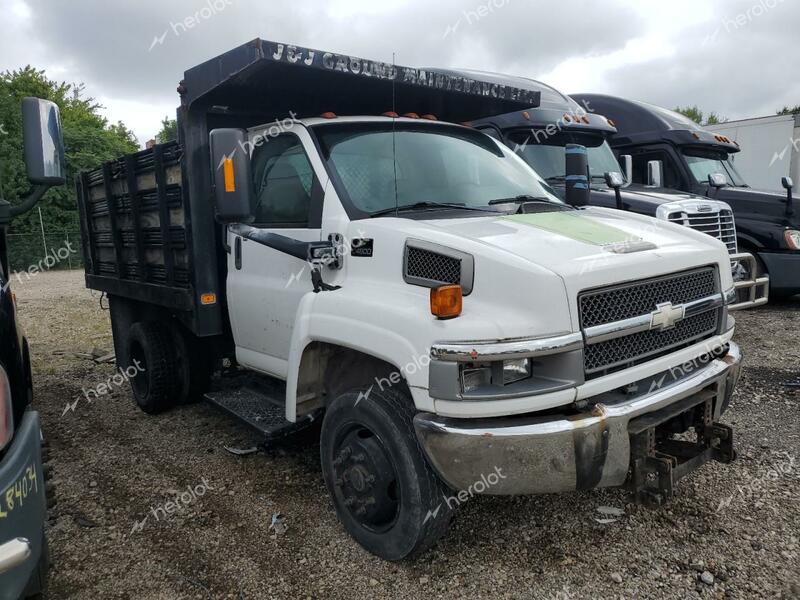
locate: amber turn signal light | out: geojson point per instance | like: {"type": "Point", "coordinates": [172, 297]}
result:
{"type": "Point", "coordinates": [230, 180]}
{"type": "Point", "coordinates": [446, 301]}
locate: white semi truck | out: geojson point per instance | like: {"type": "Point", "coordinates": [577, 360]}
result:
{"type": "Point", "coordinates": [411, 284]}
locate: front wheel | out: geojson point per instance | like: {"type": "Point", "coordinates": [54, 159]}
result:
{"type": "Point", "coordinates": [385, 493]}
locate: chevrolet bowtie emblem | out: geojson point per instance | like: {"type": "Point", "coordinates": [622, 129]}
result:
{"type": "Point", "coordinates": [666, 316]}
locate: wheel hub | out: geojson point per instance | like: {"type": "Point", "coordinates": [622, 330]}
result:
{"type": "Point", "coordinates": [366, 479]}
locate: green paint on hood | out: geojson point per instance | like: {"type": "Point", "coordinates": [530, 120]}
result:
{"type": "Point", "coordinates": [576, 226]}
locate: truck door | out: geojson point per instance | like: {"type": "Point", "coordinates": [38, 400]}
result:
{"type": "Point", "coordinates": [671, 173]}
{"type": "Point", "coordinates": [264, 285]}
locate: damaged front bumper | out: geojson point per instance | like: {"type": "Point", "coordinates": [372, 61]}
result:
{"type": "Point", "coordinates": [609, 446]}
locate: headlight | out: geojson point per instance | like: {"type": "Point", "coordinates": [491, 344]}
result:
{"type": "Point", "coordinates": [792, 237]}
{"type": "Point", "coordinates": [475, 379]}
{"type": "Point", "coordinates": [477, 376]}
{"type": "Point", "coordinates": [6, 411]}
{"type": "Point", "coordinates": [516, 370]}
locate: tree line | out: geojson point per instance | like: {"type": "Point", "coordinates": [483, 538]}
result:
{"type": "Point", "coordinates": [89, 140]}
{"type": "Point", "coordinates": [698, 116]}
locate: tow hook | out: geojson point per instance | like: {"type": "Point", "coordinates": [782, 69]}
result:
{"type": "Point", "coordinates": [657, 466]}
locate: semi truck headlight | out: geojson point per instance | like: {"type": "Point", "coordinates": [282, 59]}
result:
{"type": "Point", "coordinates": [792, 237]}
{"type": "Point", "coordinates": [6, 411]}
{"type": "Point", "coordinates": [516, 370]}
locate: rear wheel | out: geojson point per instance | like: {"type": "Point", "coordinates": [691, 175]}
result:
{"type": "Point", "coordinates": [153, 369]}
{"type": "Point", "coordinates": [385, 493]}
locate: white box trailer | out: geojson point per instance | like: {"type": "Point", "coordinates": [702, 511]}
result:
{"type": "Point", "coordinates": [770, 149]}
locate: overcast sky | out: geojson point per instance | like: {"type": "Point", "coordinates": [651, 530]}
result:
{"type": "Point", "coordinates": [739, 58]}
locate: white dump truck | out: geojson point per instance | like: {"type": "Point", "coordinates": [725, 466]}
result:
{"type": "Point", "coordinates": [334, 248]}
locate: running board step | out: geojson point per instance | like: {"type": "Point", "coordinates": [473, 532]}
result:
{"type": "Point", "coordinates": [260, 407]}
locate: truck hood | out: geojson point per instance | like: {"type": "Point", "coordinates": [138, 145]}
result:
{"type": "Point", "coordinates": [750, 193]}
{"type": "Point", "coordinates": [656, 196]}
{"type": "Point", "coordinates": [639, 198]}
{"type": "Point", "coordinates": [588, 248]}
{"type": "Point", "coordinates": [761, 205]}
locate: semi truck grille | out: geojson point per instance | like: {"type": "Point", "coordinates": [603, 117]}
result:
{"type": "Point", "coordinates": [618, 303]}
{"type": "Point", "coordinates": [718, 224]}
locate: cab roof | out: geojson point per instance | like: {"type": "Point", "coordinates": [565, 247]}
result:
{"type": "Point", "coordinates": [555, 107]}
{"type": "Point", "coordinates": [642, 123]}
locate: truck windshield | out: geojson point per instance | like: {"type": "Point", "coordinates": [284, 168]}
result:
{"type": "Point", "coordinates": [545, 153]}
{"type": "Point", "coordinates": [423, 166]}
{"type": "Point", "coordinates": [703, 163]}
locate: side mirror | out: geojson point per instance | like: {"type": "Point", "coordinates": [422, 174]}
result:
{"type": "Point", "coordinates": [717, 180]}
{"type": "Point", "coordinates": [233, 183]}
{"type": "Point", "coordinates": [44, 142]}
{"type": "Point", "coordinates": [655, 170]}
{"type": "Point", "coordinates": [615, 181]}
{"type": "Point", "coordinates": [788, 185]}
{"type": "Point", "coordinates": [577, 172]}
{"type": "Point", "coordinates": [627, 166]}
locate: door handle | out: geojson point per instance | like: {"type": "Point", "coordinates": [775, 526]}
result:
{"type": "Point", "coordinates": [237, 253]}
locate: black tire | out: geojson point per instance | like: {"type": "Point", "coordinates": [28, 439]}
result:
{"type": "Point", "coordinates": [195, 366]}
{"type": "Point", "coordinates": [152, 353]}
{"type": "Point", "coordinates": [403, 507]}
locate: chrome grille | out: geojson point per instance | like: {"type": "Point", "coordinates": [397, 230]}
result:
{"type": "Point", "coordinates": [424, 264]}
{"type": "Point", "coordinates": [649, 344]}
{"type": "Point", "coordinates": [627, 301]}
{"type": "Point", "coordinates": [608, 305]}
{"type": "Point", "coordinates": [718, 224]}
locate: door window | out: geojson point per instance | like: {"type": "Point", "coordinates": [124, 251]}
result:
{"type": "Point", "coordinates": [671, 175]}
{"type": "Point", "coordinates": [283, 182]}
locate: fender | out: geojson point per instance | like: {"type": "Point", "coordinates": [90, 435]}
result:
{"type": "Point", "coordinates": [348, 318]}
{"type": "Point", "coordinates": [749, 242]}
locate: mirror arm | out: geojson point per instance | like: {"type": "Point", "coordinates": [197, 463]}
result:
{"type": "Point", "coordinates": [618, 198]}
{"type": "Point", "coordinates": [29, 202]}
{"type": "Point", "coordinates": [292, 247]}
{"type": "Point", "coordinates": [789, 209]}
{"type": "Point", "coordinates": [278, 242]}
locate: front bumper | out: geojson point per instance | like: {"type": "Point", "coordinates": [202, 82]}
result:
{"type": "Point", "coordinates": [23, 508]}
{"type": "Point", "coordinates": [751, 290]}
{"type": "Point", "coordinates": [559, 453]}
{"type": "Point", "coordinates": [784, 271]}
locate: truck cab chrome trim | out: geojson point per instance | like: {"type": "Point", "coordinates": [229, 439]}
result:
{"type": "Point", "coordinates": [610, 331]}
{"type": "Point", "coordinates": [492, 351]}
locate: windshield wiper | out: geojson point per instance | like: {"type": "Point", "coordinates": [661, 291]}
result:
{"type": "Point", "coordinates": [556, 178]}
{"type": "Point", "coordinates": [522, 199]}
{"type": "Point", "coordinates": [427, 205]}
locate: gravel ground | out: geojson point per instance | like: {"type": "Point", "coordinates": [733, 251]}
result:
{"type": "Point", "coordinates": [115, 467]}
